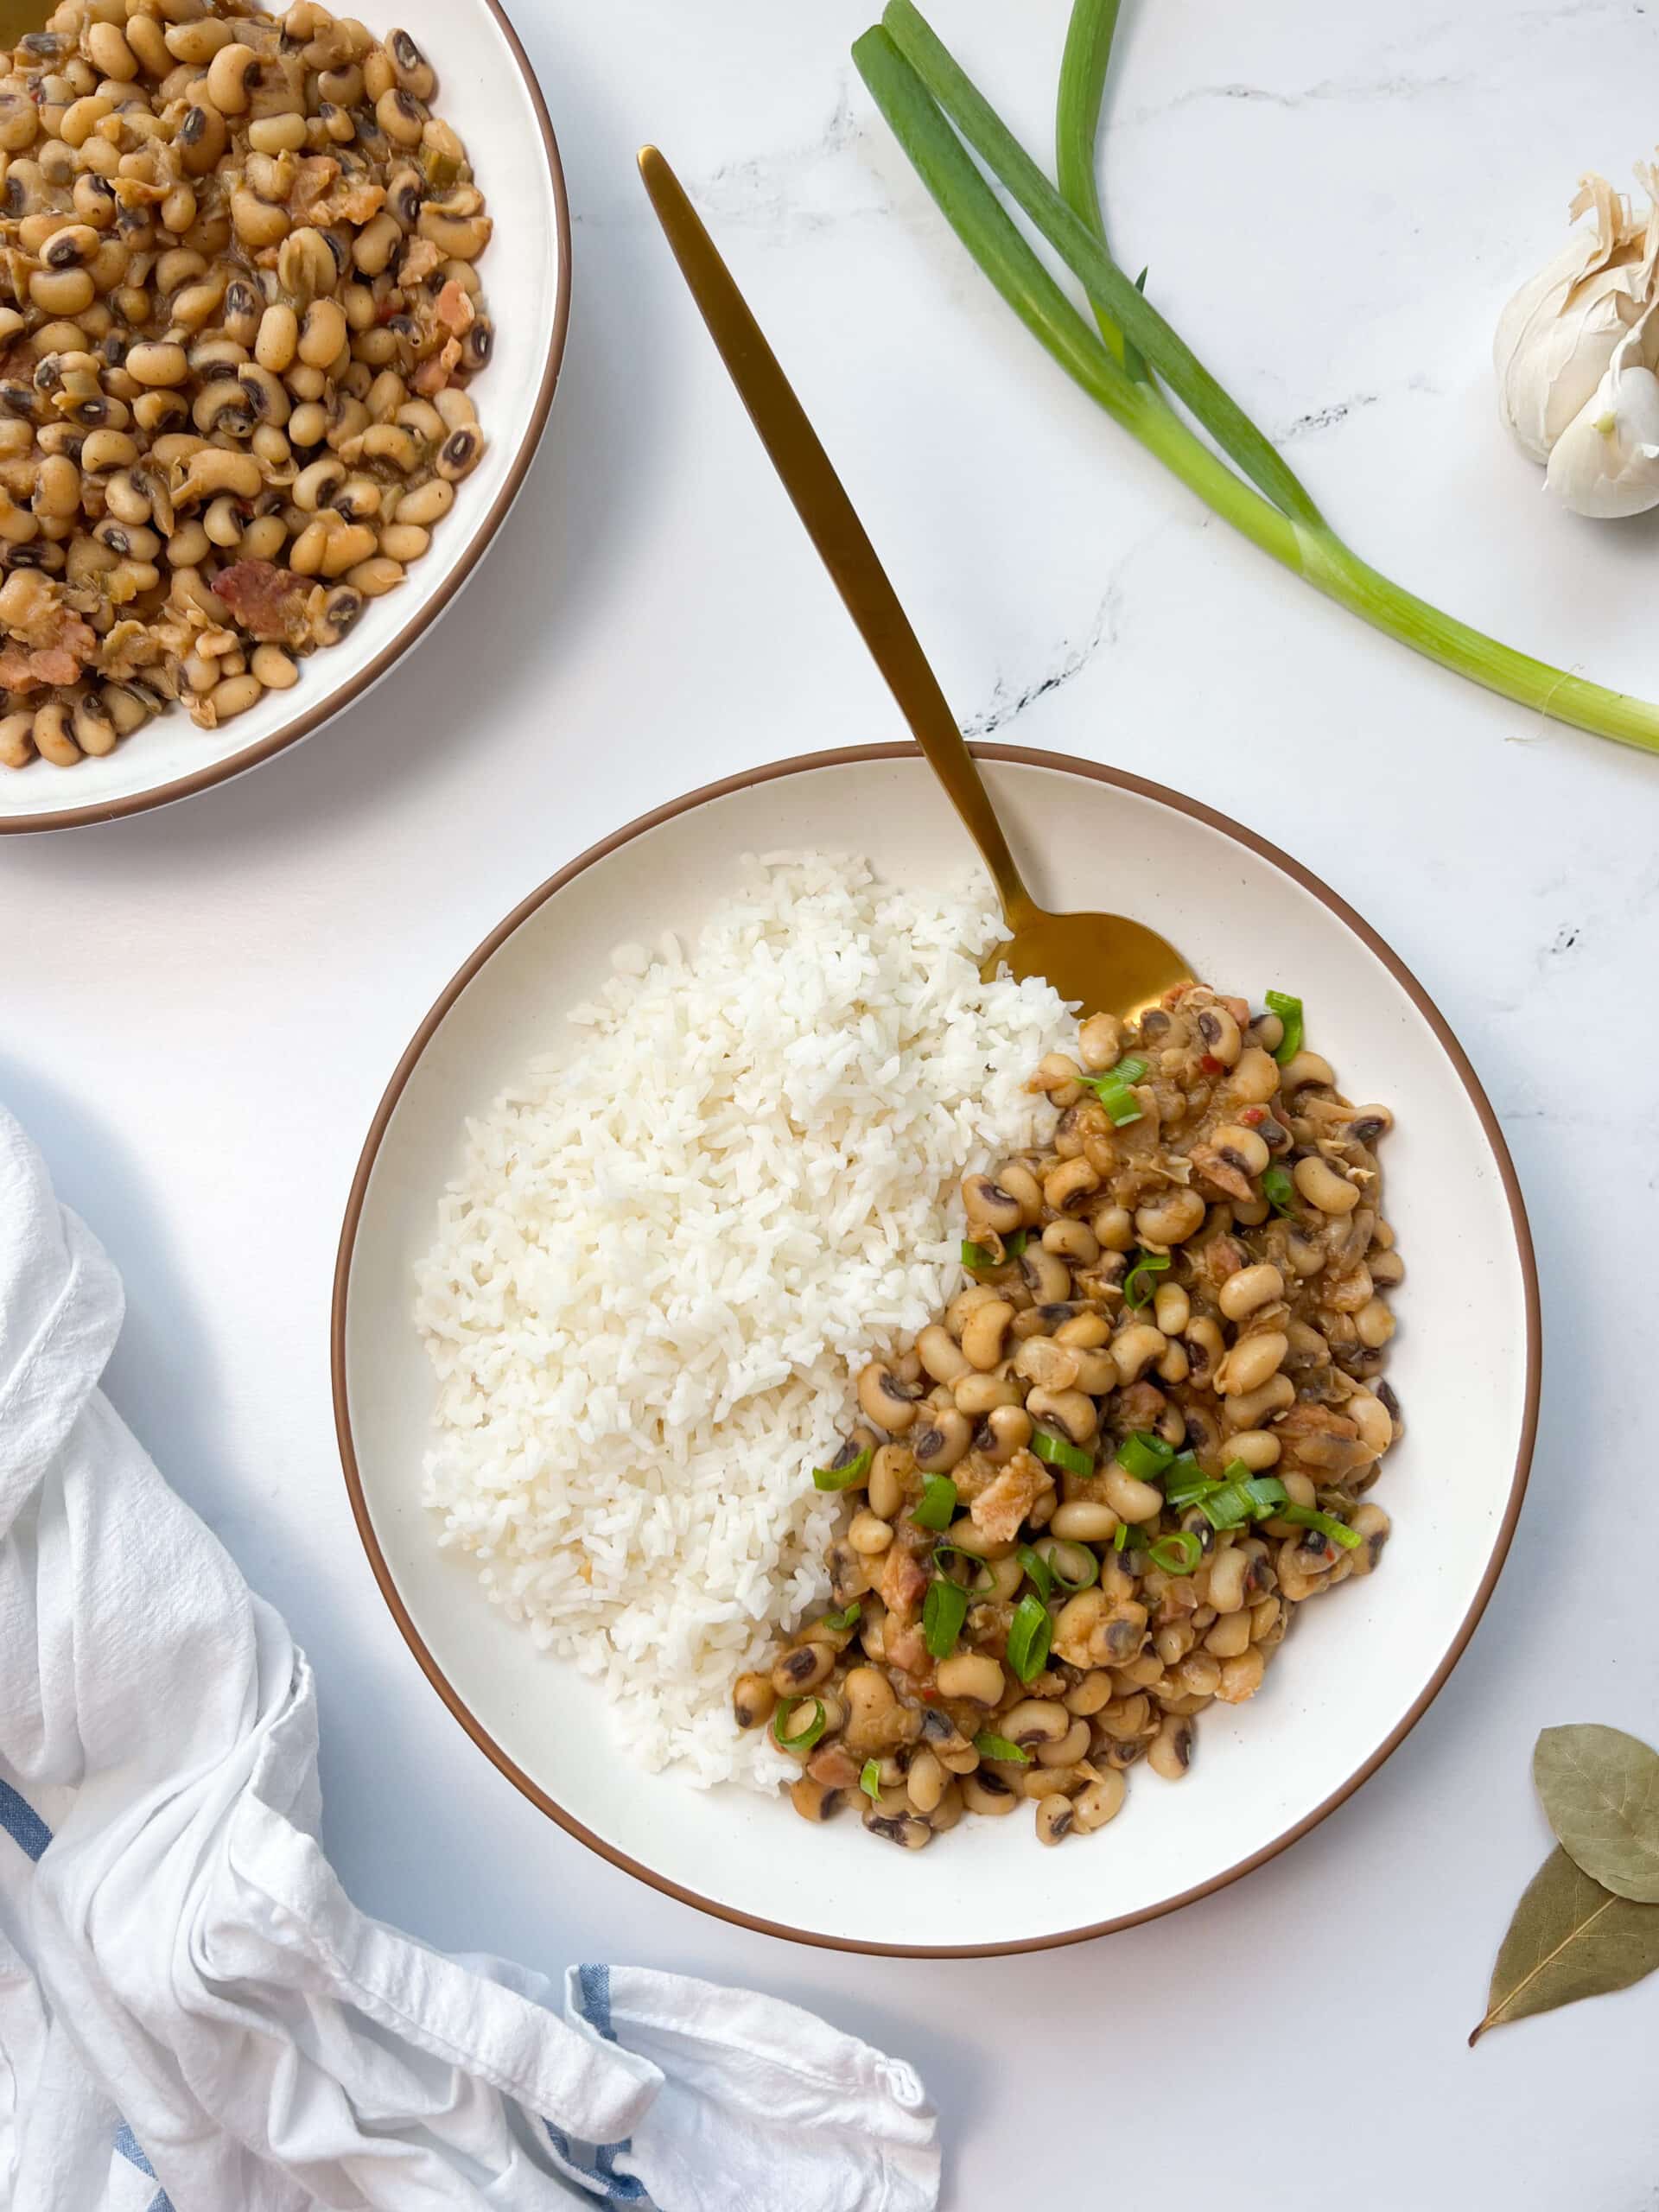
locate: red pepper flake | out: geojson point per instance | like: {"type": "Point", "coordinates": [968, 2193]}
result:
{"type": "Point", "coordinates": [1252, 1115]}
{"type": "Point", "coordinates": [1210, 1065]}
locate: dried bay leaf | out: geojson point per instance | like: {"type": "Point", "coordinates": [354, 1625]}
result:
{"type": "Point", "coordinates": [1600, 1791]}
{"type": "Point", "coordinates": [1569, 1938]}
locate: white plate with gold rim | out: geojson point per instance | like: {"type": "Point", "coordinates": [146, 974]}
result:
{"type": "Point", "coordinates": [1361, 1665]}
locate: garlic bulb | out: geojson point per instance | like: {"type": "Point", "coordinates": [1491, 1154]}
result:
{"type": "Point", "coordinates": [1607, 462]}
{"type": "Point", "coordinates": [1557, 337]}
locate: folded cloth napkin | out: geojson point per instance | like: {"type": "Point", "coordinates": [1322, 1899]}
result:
{"type": "Point", "coordinates": [192, 2011]}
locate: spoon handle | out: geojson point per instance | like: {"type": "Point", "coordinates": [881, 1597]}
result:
{"type": "Point", "coordinates": [823, 505]}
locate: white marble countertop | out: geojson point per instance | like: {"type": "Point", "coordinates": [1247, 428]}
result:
{"type": "Point", "coordinates": [199, 1008]}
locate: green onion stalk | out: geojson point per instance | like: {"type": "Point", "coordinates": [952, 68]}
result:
{"type": "Point", "coordinates": [1125, 360]}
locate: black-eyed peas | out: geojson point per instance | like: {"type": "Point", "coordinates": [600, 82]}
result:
{"type": "Point", "coordinates": [1230, 1635]}
{"type": "Point", "coordinates": [925, 1780]}
{"type": "Point", "coordinates": [1171, 1752]}
{"type": "Point", "coordinates": [1371, 1524]}
{"type": "Point", "coordinates": [814, 1800]}
{"type": "Point", "coordinates": [986, 1793]}
{"type": "Point", "coordinates": [869, 1533]}
{"type": "Point", "coordinates": [53, 735]}
{"type": "Point", "coordinates": [1247, 1409]}
{"type": "Point", "coordinates": [1241, 1676]}
{"type": "Point", "coordinates": [239, 245]}
{"type": "Point", "coordinates": [1056, 1817]}
{"type": "Point", "coordinates": [970, 1677]}
{"type": "Point", "coordinates": [1084, 1520]}
{"type": "Point", "coordinates": [1250, 1288]}
{"type": "Point", "coordinates": [1089, 1620]}
{"type": "Point", "coordinates": [1323, 1186]}
{"type": "Point", "coordinates": [377, 575]}
{"type": "Point", "coordinates": [1252, 1362]}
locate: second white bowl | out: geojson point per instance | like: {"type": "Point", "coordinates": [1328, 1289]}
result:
{"type": "Point", "coordinates": [488, 90]}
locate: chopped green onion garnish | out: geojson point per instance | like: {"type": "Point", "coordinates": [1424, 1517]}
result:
{"type": "Point", "coordinates": [1114, 1095]}
{"type": "Point", "coordinates": [870, 1780]}
{"type": "Point", "coordinates": [844, 1477]}
{"type": "Point", "coordinates": [1120, 1541]}
{"type": "Point", "coordinates": [847, 1619]}
{"type": "Point", "coordinates": [811, 1734]}
{"type": "Point", "coordinates": [1037, 1568]}
{"type": "Point", "coordinates": [942, 1615]}
{"type": "Point", "coordinates": [1145, 1456]}
{"type": "Point", "coordinates": [1061, 1580]}
{"type": "Point", "coordinates": [1135, 1292]}
{"type": "Point", "coordinates": [1178, 1553]}
{"type": "Point", "coordinates": [1028, 1636]}
{"type": "Point", "coordinates": [1226, 1506]}
{"type": "Point", "coordinates": [939, 1505]}
{"type": "Point", "coordinates": [1129, 1070]}
{"type": "Point", "coordinates": [1326, 1523]}
{"type": "Point", "coordinates": [1241, 1498]}
{"type": "Point", "coordinates": [980, 1257]}
{"type": "Point", "coordinates": [1186, 1482]}
{"type": "Point", "coordinates": [1060, 1451]}
{"type": "Point", "coordinates": [1278, 1190]}
{"type": "Point", "coordinates": [1289, 1011]}
{"type": "Point", "coordinates": [999, 1747]}
{"type": "Point", "coordinates": [1266, 1494]}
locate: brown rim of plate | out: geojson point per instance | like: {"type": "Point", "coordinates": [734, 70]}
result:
{"type": "Point", "coordinates": [1023, 756]}
{"type": "Point", "coordinates": [325, 711]}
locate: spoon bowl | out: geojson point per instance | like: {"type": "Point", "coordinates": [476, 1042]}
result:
{"type": "Point", "coordinates": [1108, 963]}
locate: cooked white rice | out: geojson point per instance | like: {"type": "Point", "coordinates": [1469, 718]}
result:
{"type": "Point", "coordinates": [672, 1246]}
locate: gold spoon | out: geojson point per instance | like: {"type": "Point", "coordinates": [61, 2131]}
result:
{"type": "Point", "coordinates": [1112, 964]}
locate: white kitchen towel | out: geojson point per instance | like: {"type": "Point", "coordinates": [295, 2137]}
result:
{"type": "Point", "coordinates": [192, 2011]}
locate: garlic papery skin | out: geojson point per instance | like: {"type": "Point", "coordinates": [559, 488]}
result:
{"type": "Point", "coordinates": [1606, 463]}
{"type": "Point", "coordinates": [1557, 337]}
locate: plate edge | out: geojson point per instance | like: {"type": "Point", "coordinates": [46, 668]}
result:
{"type": "Point", "coordinates": [1141, 787]}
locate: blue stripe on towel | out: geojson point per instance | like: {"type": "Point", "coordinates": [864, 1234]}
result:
{"type": "Point", "coordinates": [615, 2189]}
{"type": "Point", "coordinates": [20, 1820]}
{"type": "Point", "coordinates": [127, 2143]}
{"type": "Point", "coordinates": [133, 2151]}
{"type": "Point", "coordinates": [596, 1998]}
{"type": "Point", "coordinates": [22, 1823]}
{"type": "Point", "coordinates": [594, 1983]}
